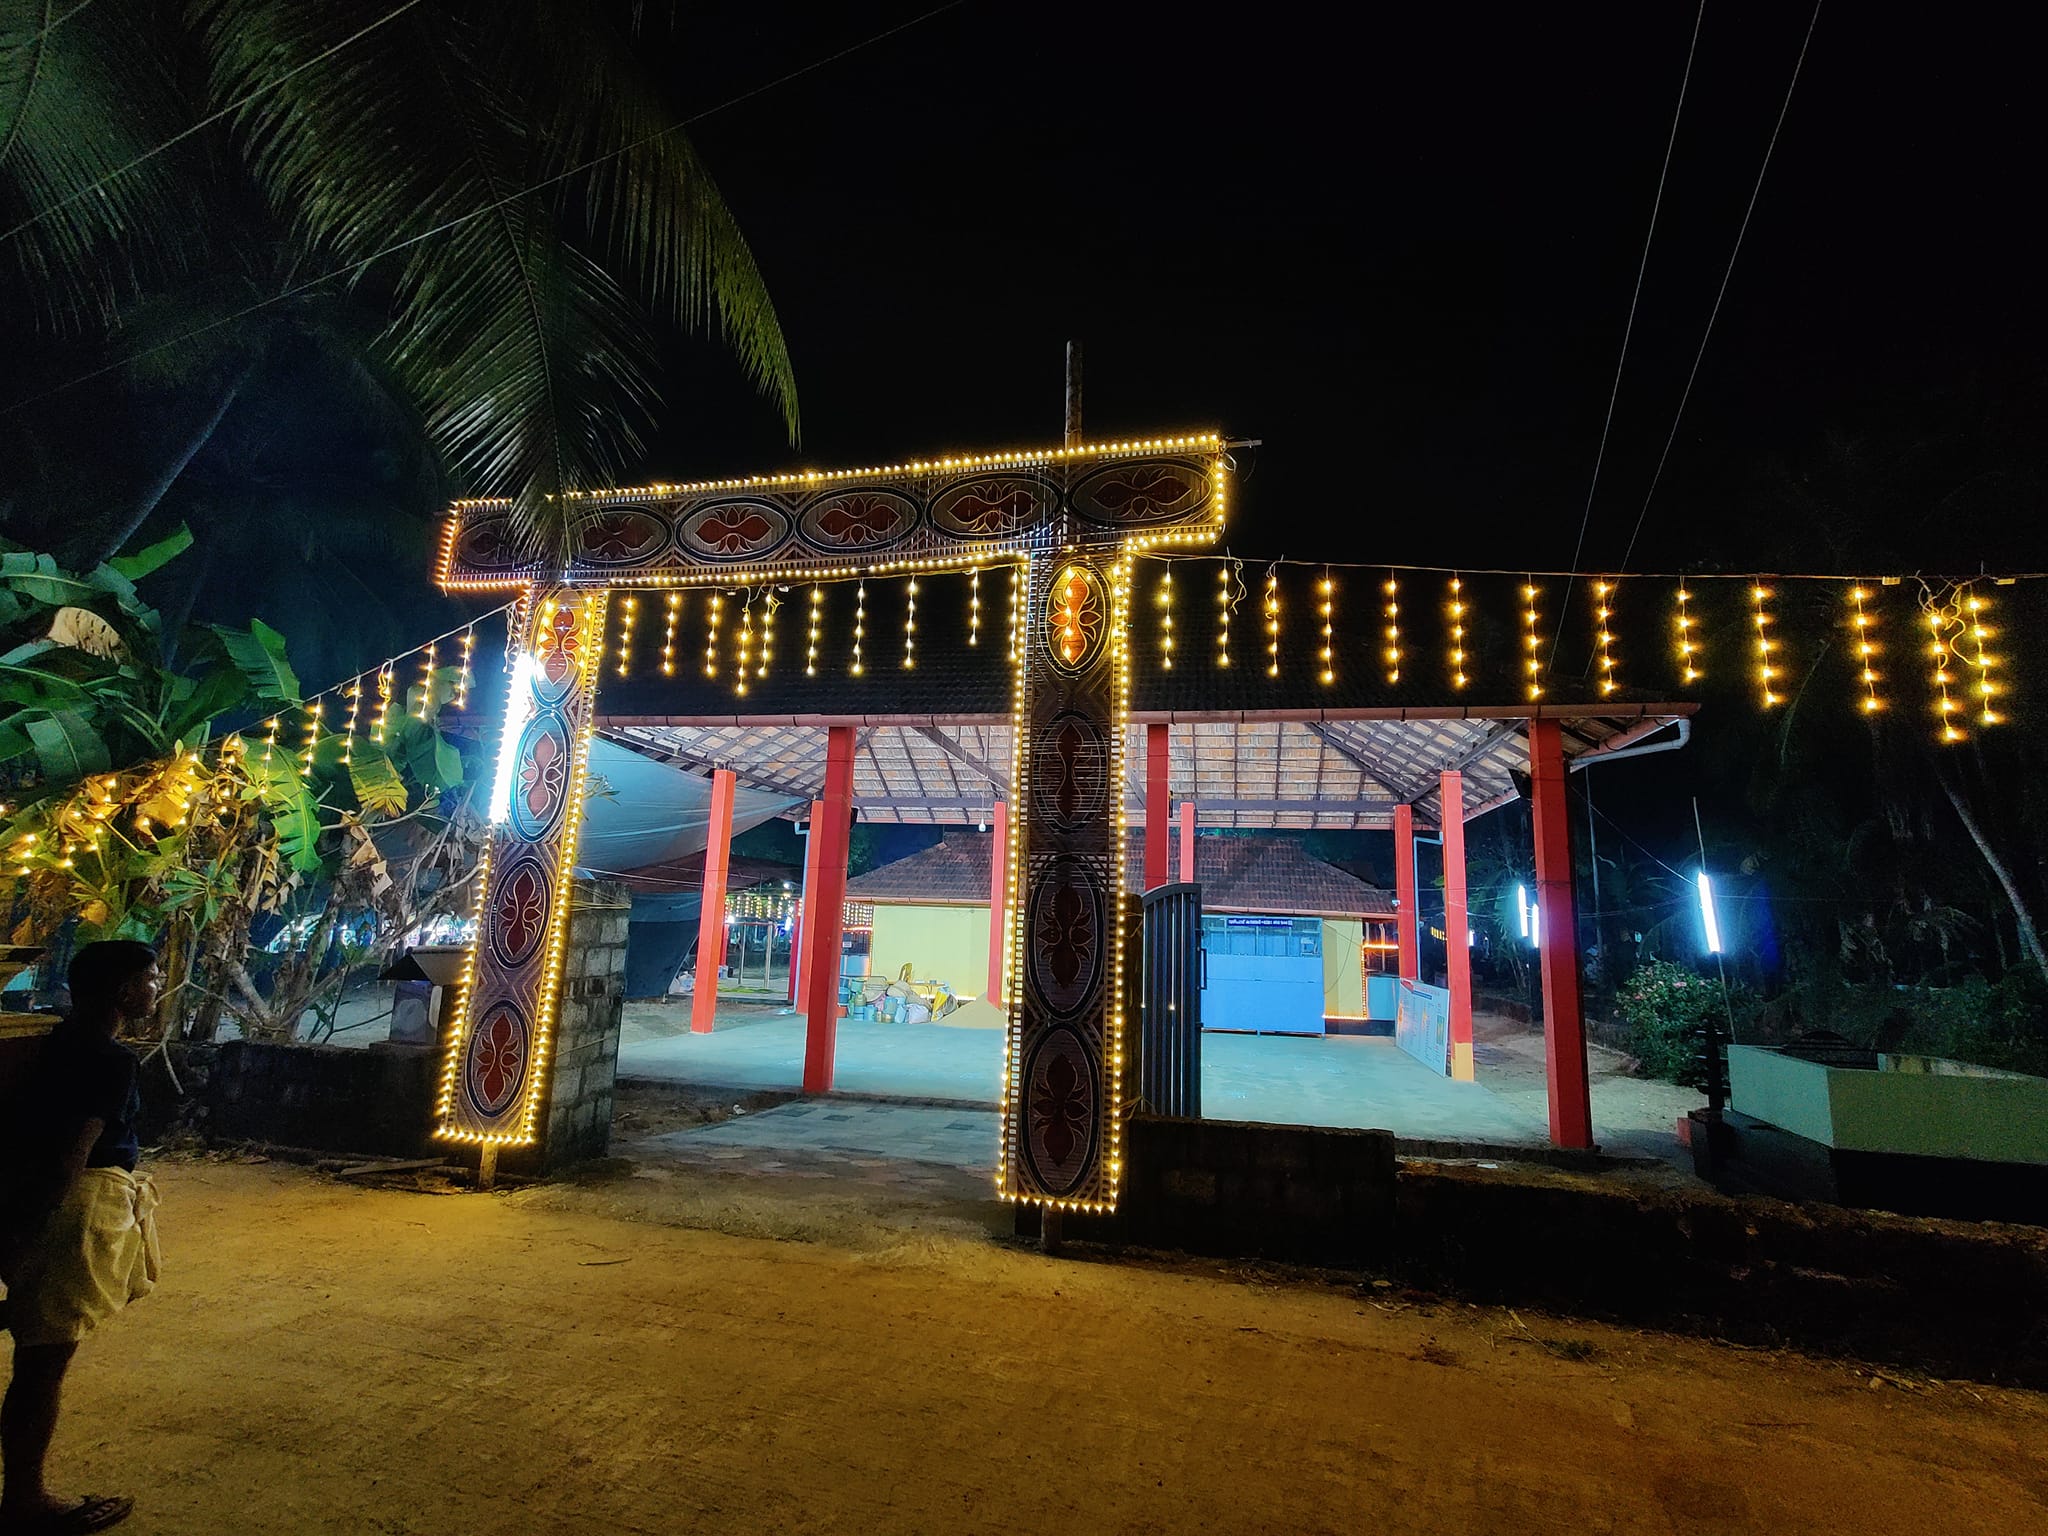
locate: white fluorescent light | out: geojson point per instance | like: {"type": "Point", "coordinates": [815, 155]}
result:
{"type": "Point", "coordinates": [518, 705]}
{"type": "Point", "coordinates": [1708, 918]}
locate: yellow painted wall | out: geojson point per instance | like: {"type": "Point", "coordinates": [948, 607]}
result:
{"type": "Point", "coordinates": [1343, 986]}
{"type": "Point", "coordinates": [948, 944]}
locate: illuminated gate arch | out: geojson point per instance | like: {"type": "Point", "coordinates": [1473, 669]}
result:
{"type": "Point", "coordinates": [1072, 519]}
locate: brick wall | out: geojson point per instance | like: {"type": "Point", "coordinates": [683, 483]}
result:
{"type": "Point", "coordinates": [585, 1056]}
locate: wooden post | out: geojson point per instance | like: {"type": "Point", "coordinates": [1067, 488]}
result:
{"type": "Point", "coordinates": [1406, 909]}
{"type": "Point", "coordinates": [1187, 841]}
{"type": "Point", "coordinates": [711, 917]}
{"type": "Point", "coordinates": [1564, 1030]}
{"type": "Point", "coordinates": [487, 1166]}
{"type": "Point", "coordinates": [831, 827]}
{"type": "Point", "coordinates": [1158, 809]}
{"type": "Point", "coordinates": [998, 895]}
{"type": "Point", "coordinates": [1457, 924]}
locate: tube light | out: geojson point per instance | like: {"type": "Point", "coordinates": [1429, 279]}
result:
{"type": "Point", "coordinates": [1708, 919]}
{"type": "Point", "coordinates": [1522, 908]}
{"type": "Point", "coordinates": [518, 706]}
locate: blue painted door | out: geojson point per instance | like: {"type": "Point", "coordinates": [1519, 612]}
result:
{"type": "Point", "coordinates": [1264, 974]}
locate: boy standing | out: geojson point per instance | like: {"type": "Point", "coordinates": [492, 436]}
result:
{"type": "Point", "coordinates": [77, 1230]}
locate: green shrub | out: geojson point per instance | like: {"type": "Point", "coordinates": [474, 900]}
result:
{"type": "Point", "coordinates": [1666, 1008]}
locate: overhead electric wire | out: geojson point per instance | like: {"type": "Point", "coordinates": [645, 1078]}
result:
{"type": "Point", "coordinates": [476, 213]}
{"type": "Point", "coordinates": [1634, 299]}
{"type": "Point", "coordinates": [2000, 578]}
{"type": "Point", "coordinates": [205, 122]}
{"type": "Point", "coordinates": [1677, 416]}
{"type": "Point", "coordinates": [44, 31]}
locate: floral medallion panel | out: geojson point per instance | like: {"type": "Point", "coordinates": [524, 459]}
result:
{"type": "Point", "coordinates": [945, 511]}
{"type": "Point", "coordinates": [494, 1072]}
{"type": "Point", "coordinates": [1059, 1125]}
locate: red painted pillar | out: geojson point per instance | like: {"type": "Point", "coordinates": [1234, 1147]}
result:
{"type": "Point", "coordinates": [998, 900]}
{"type": "Point", "coordinates": [1564, 1030]}
{"type": "Point", "coordinates": [711, 919]}
{"type": "Point", "coordinates": [1158, 808]}
{"type": "Point", "coordinates": [830, 827]}
{"type": "Point", "coordinates": [1404, 893]}
{"type": "Point", "coordinates": [1187, 841]}
{"type": "Point", "coordinates": [800, 952]}
{"type": "Point", "coordinates": [1457, 924]}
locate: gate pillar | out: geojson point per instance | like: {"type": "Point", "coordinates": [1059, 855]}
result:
{"type": "Point", "coordinates": [494, 1070]}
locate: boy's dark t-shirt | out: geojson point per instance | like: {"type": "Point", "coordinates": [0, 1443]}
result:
{"type": "Point", "coordinates": [76, 1077]}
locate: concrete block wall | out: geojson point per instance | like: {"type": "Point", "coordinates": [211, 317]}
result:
{"type": "Point", "coordinates": [1293, 1192]}
{"type": "Point", "coordinates": [585, 1057]}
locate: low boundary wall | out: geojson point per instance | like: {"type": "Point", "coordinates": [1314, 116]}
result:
{"type": "Point", "coordinates": [1951, 1297]}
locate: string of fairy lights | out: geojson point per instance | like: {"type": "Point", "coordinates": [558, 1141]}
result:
{"type": "Point", "coordinates": [1423, 611]}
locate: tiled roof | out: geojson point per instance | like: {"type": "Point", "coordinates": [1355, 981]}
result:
{"type": "Point", "coordinates": [1237, 874]}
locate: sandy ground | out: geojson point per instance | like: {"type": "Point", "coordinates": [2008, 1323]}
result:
{"type": "Point", "coordinates": [557, 1359]}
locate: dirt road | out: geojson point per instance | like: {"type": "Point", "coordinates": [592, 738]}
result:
{"type": "Point", "coordinates": [324, 1358]}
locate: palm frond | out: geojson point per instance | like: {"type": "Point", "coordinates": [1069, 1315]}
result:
{"type": "Point", "coordinates": [82, 94]}
{"type": "Point", "coordinates": [532, 366]}
{"type": "Point", "coordinates": [649, 199]}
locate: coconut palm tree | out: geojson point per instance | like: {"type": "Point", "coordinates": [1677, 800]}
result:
{"type": "Point", "coordinates": [503, 185]}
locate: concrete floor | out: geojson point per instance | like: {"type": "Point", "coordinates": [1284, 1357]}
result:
{"type": "Point", "coordinates": [1340, 1080]}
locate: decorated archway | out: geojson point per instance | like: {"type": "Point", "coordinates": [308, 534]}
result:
{"type": "Point", "coordinates": [1064, 525]}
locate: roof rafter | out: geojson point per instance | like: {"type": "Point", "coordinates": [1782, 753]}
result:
{"type": "Point", "coordinates": [969, 759]}
{"type": "Point", "coordinates": [1402, 789]}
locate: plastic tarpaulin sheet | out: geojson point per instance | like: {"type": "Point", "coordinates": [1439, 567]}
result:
{"type": "Point", "coordinates": [641, 812]}
{"type": "Point", "coordinates": [655, 953]}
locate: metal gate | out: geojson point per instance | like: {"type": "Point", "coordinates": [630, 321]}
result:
{"type": "Point", "coordinates": [1170, 1002]}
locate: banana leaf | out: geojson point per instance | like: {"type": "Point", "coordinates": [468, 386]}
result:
{"type": "Point", "coordinates": [375, 779]}
{"type": "Point", "coordinates": [147, 561]}
{"type": "Point", "coordinates": [67, 746]}
{"type": "Point", "coordinates": [259, 654]}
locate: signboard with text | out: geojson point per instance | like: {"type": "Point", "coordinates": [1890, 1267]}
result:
{"type": "Point", "coordinates": [1422, 1025]}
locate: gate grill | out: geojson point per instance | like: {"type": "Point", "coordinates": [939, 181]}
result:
{"type": "Point", "coordinates": [1170, 1002]}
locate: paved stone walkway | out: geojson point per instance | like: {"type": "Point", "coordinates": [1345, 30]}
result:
{"type": "Point", "coordinates": [908, 1148]}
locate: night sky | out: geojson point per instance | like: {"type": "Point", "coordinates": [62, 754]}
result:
{"type": "Point", "coordinates": [1400, 253]}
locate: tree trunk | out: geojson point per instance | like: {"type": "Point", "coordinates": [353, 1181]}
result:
{"type": "Point", "coordinates": [2030, 937]}
{"type": "Point", "coordinates": [138, 514]}
{"type": "Point", "coordinates": [179, 614]}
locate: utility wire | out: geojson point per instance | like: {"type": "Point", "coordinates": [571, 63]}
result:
{"type": "Point", "coordinates": [1677, 416]}
{"type": "Point", "coordinates": [1996, 578]}
{"type": "Point", "coordinates": [42, 32]}
{"type": "Point", "coordinates": [205, 122]}
{"type": "Point", "coordinates": [1628, 330]}
{"type": "Point", "coordinates": [476, 213]}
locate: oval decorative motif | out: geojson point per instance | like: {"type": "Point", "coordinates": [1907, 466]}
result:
{"type": "Point", "coordinates": [1142, 493]}
{"type": "Point", "coordinates": [558, 646]}
{"type": "Point", "coordinates": [1064, 957]}
{"type": "Point", "coordinates": [733, 530]}
{"type": "Point", "coordinates": [520, 900]}
{"type": "Point", "coordinates": [1076, 617]}
{"type": "Point", "coordinates": [1059, 1110]}
{"type": "Point", "coordinates": [495, 1064]}
{"type": "Point", "coordinates": [540, 787]}
{"type": "Point", "coordinates": [620, 536]}
{"type": "Point", "coordinates": [488, 545]}
{"type": "Point", "coordinates": [993, 506]}
{"type": "Point", "coordinates": [855, 521]}
{"type": "Point", "coordinates": [1069, 770]}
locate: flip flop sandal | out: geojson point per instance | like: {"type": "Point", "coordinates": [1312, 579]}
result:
{"type": "Point", "coordinates": [87, 1515]}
